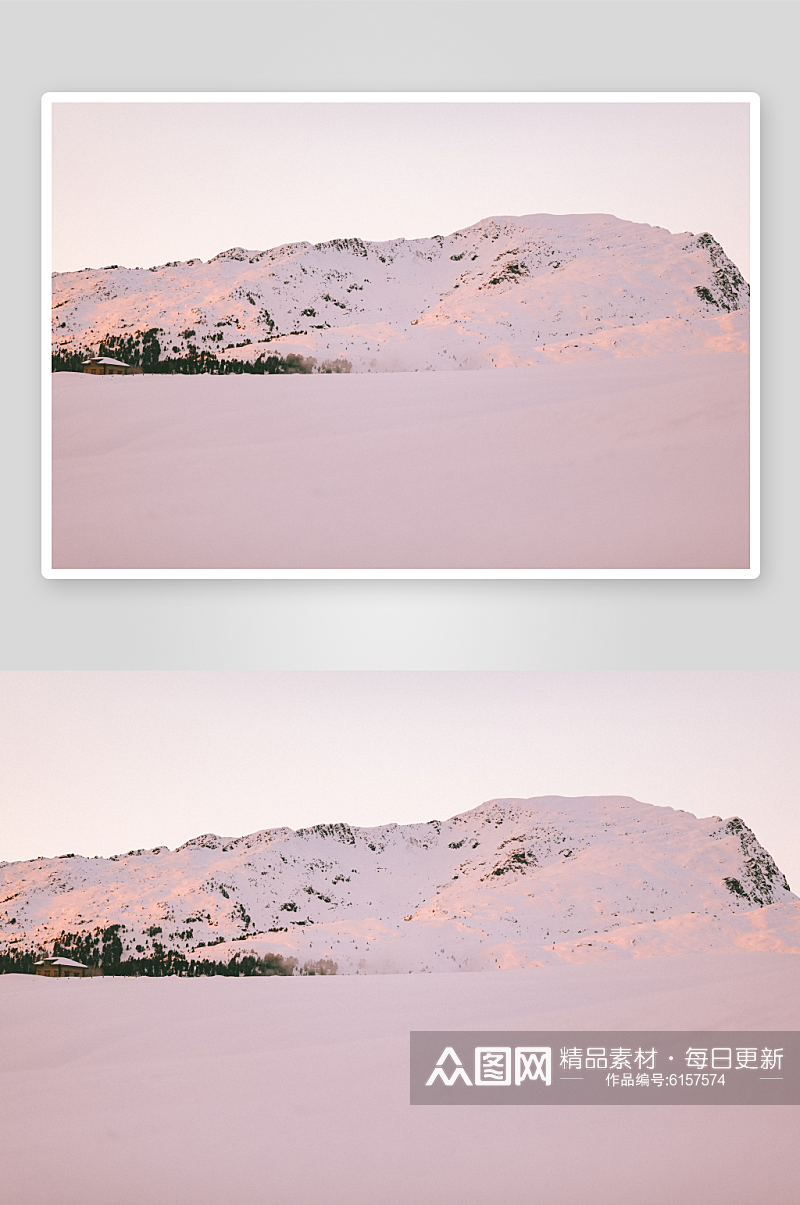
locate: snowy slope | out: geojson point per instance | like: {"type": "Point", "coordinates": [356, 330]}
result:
{"type": "Point", "coordinates": [507, 291]}
{"type": "Point", "coordinates": [510, 883]}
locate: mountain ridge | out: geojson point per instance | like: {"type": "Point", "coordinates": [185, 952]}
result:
{"type": "Point", "coordinates": [521, 875]}
{"type": "Point", "coordinates": [507, 291]}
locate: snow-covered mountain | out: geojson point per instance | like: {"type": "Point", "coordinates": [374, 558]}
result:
{"type": "Point", "coordinates": [514, 882]}
{"type": "Point", "coordinates": [507, 291]}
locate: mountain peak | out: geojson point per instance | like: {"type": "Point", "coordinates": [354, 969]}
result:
{"type": "Point", "coordinates": [529, 872]}
{"type": "Point", "coordinates": [508, 290]}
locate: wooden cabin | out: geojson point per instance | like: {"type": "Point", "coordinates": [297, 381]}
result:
{"type": "Point", "coordinates": [102, 365]}
{"type": "Point", "coordinates": [56, 967]}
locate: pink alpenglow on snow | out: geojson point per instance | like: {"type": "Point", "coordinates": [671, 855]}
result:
{"type": "Point", "coordinates": [506, 292]}
{"type": "Point", "coordinates": [512, 883]}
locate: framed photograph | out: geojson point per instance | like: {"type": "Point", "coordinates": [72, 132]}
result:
{"type": "Point", "coordinates": [400, 335]}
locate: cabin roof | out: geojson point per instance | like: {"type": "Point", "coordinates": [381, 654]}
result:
{"type": "Point", "coordinates": [60, 962]}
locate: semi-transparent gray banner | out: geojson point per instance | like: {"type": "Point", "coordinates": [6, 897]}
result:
{"type": "Point", "coordinates": [579, 1067]}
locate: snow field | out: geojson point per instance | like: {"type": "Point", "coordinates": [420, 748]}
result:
{"type": "Point", "coordinates": [295, 1091]}
{"type": "Point", "coordinates": [639, 463]}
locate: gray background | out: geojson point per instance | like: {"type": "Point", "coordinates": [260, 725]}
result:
{"type": "Point", "coordinates": [390, 625]}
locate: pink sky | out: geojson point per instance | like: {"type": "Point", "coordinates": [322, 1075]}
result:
{"type": "Point", "coordinates": [102, 762]}
{"type": "Point", "coordinates": [139, 184]}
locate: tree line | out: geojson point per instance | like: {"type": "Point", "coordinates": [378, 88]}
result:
{"type": "Point", "coordinates": [143, 350]}
{"type": "Point", "coordinates": [103, 949]}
